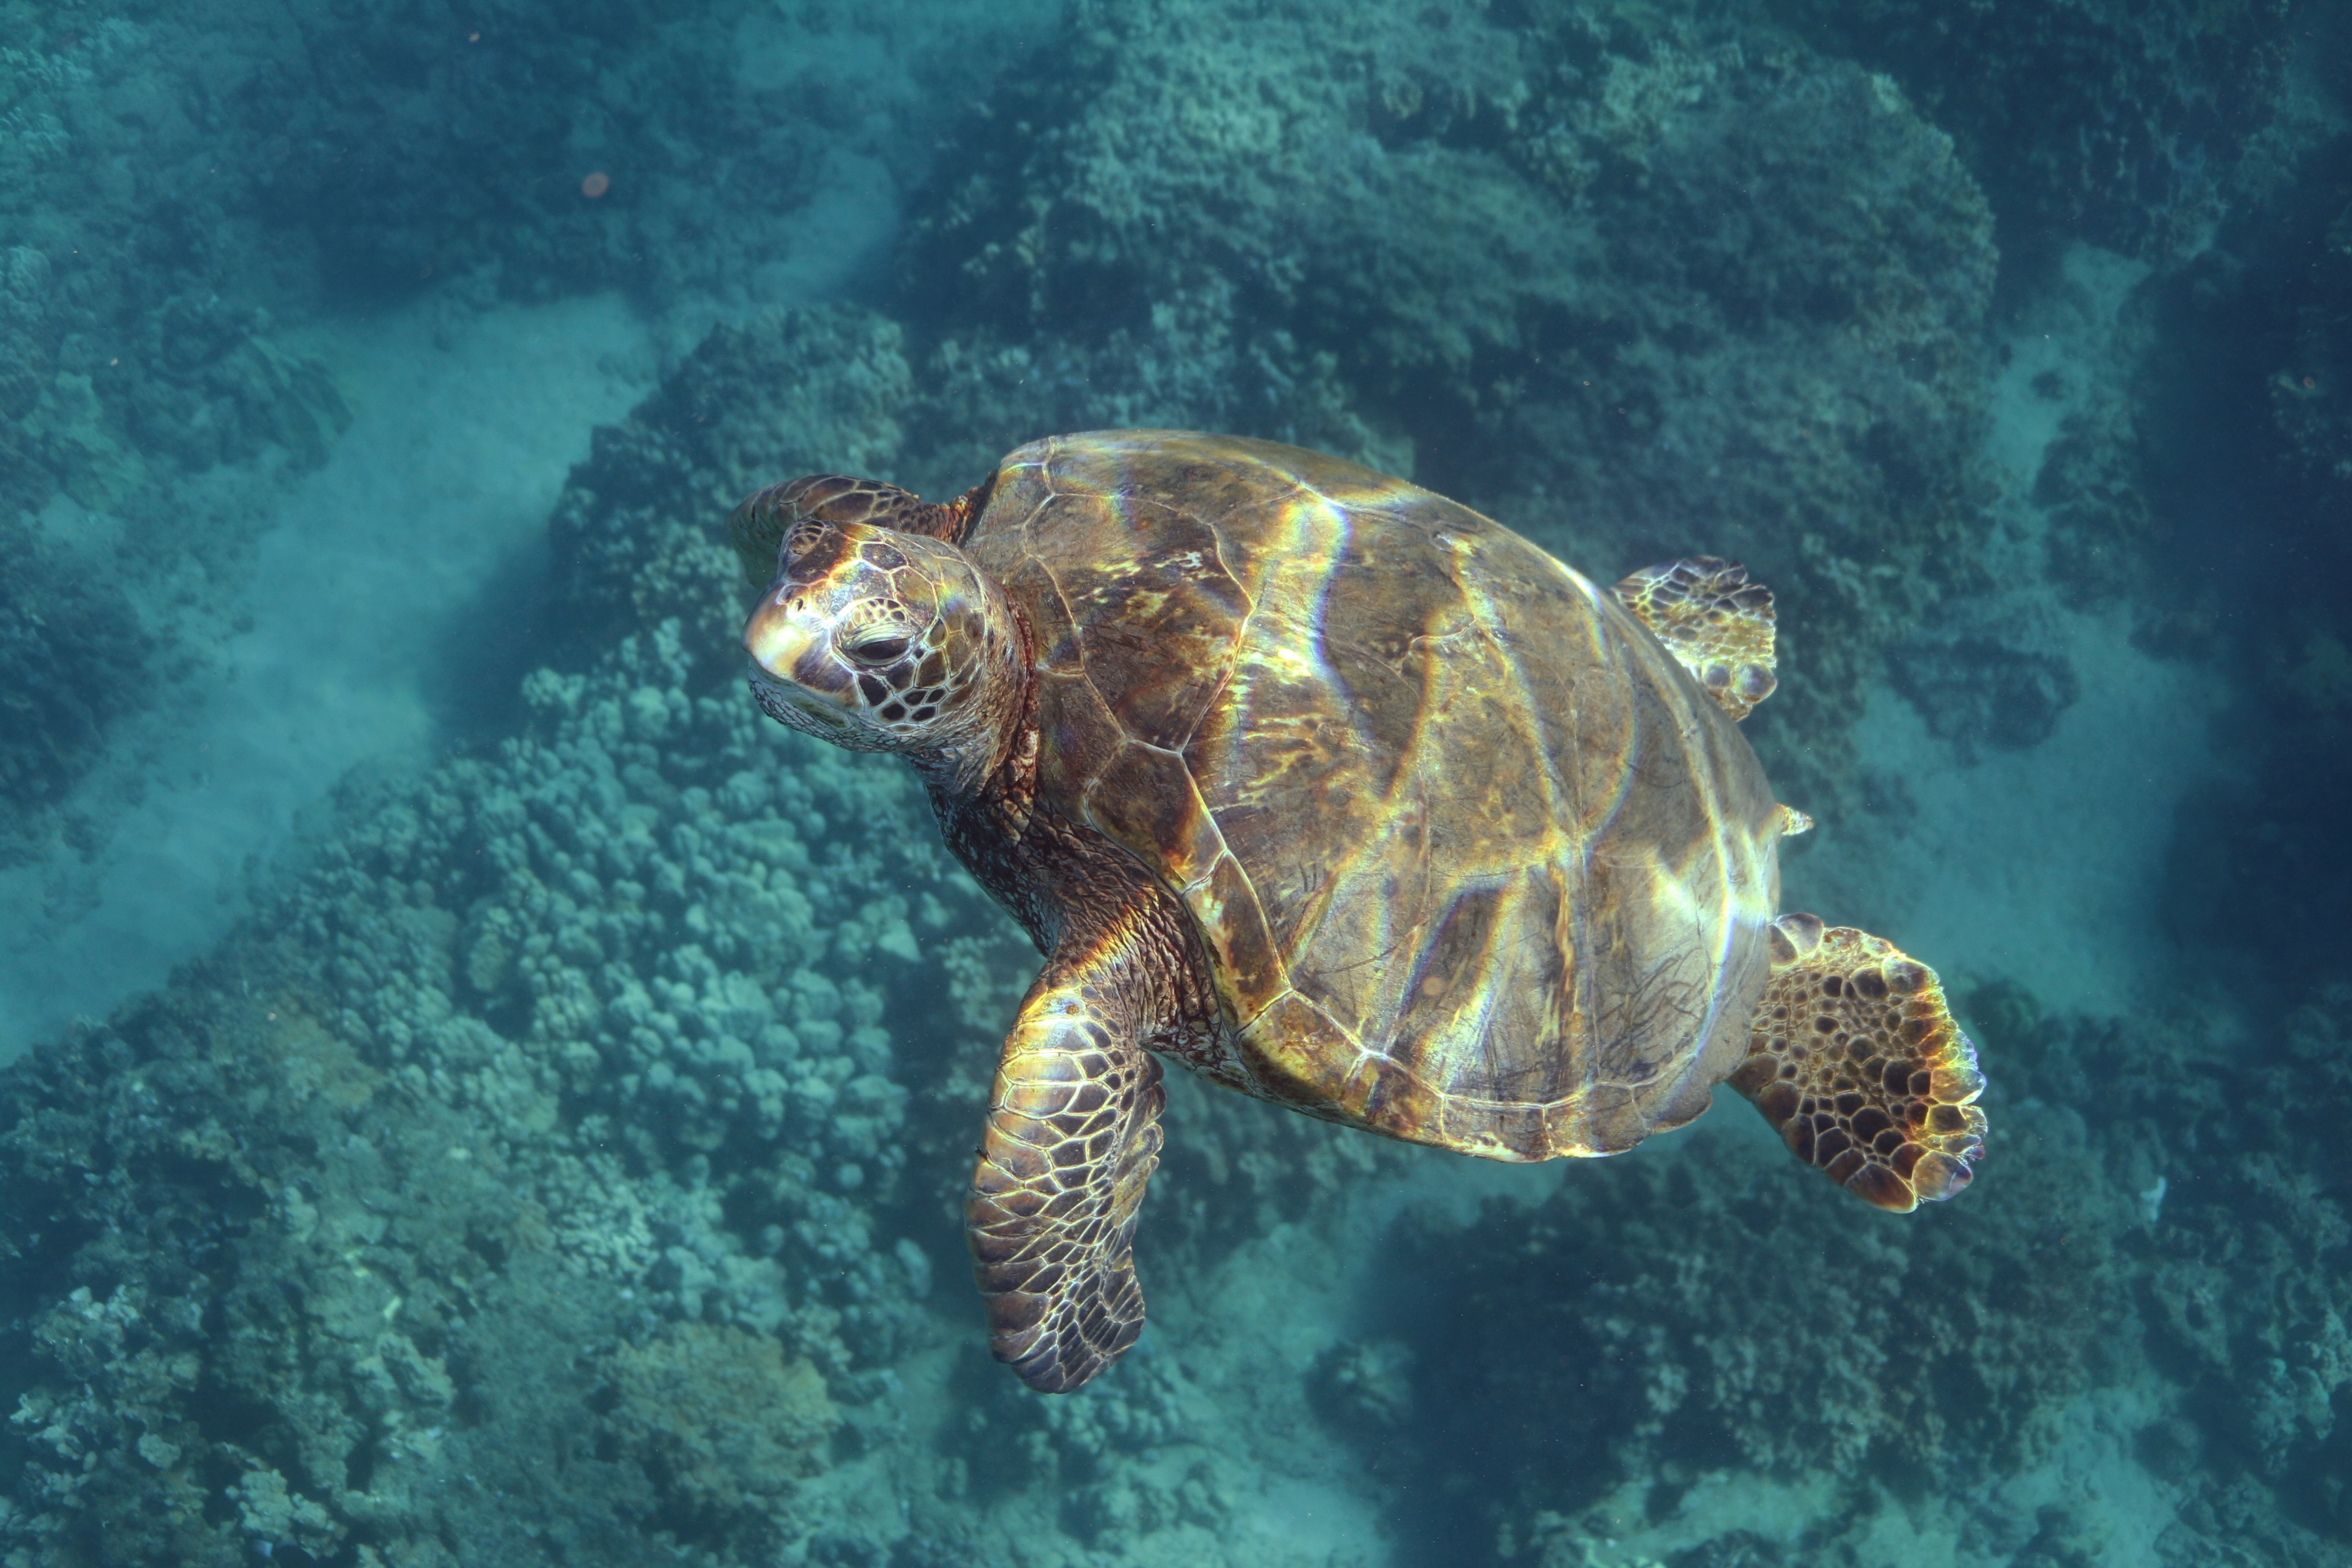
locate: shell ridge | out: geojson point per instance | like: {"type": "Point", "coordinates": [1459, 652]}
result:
{"type": "Point", "coordinates": [1678, 880]}
{"type": "Point", "coordinates": [1238, 691]}
{"type": "Point", "coordinates": [1401, 922]}
{"type": "Point", "coordinates": [1280, 981]}
{"type": "Point", "coordinates": [1700, 743]}
{"type": "Point", "coordinates": [1069, 611]}
{"type": "Point", "coordinates": [1482, 607]}
{"type": "Point", "coordinates": [1611, 653]}
{"type": "Point", "coordinates": [1543, 738]}
{"type": "Point", "coordinates": [1472, 1037]}
{"type": "Point", "coordinates": [1250, 599]}
{"type": "Point", "coordinates": [1331, 661]}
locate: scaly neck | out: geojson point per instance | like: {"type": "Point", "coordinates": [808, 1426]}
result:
{"type": "Point", "coordinates": [994, 770]}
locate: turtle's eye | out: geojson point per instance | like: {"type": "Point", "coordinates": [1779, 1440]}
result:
{"type": "Point", "coordinates": [877, 646]}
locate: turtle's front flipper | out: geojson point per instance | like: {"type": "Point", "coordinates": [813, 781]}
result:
{"type": "Point", "coordinates": [1855, 1059]}
{"type": "Point", "coordinates": [762, 522]}
{"type": "Point", "coordinates": [1716, 624]}
{"type": "Point", "coordinates": [1073, 1135]}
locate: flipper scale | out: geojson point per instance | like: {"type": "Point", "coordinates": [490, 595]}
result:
{"type": "Point", "coordinates": [1854, 1057]}
{"type": "Point", "coordinates": [1716, 624]}
{"type": "Point", "coordinates": [1071, 1141]}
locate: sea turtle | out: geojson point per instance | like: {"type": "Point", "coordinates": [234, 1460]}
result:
{"type": "Point", "coordinates": [1343, 796]}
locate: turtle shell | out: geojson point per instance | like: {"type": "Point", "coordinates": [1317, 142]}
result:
{"type": "Point", "coordinates": [1473, 860]}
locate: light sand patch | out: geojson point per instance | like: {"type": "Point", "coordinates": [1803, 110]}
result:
{"type": "Point", "coordinates": [457, 452]}
{"type": "Point", "coordinates": [2045, 866]}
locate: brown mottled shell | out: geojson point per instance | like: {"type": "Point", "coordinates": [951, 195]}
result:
{"type": "Point", "coordinates": [1475, 861]}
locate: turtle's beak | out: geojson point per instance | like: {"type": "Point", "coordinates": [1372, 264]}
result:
{"type": "Point", "coordinates": [795, 679]}
{"type": "Point", "coordinates": [780, 634]}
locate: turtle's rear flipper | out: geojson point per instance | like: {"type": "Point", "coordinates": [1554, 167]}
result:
{"type": "Point", "coordinates": [1716, 624]}
{"type": "Point", "coordinates": [1855, 1059]}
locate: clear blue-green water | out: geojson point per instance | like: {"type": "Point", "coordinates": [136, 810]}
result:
{"type": "Point", "coordinates": [474, 1090]}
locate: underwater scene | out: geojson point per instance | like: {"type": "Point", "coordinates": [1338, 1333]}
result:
{"type": "Point", "coordinates": [1036, 1002]}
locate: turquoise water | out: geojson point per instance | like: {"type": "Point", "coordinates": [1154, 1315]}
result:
{"type": "Point", "coordinates": [473, 1090]}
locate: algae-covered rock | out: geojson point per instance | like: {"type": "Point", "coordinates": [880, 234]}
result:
{"type": "Point", "coordinates": [2115, 121]}
{"type": "Point", "coordinates": [1655, 1312]}
{"type": "Point", "coordinates": [91, 463]}
{"type": "Point", "coordinates": [800, 391]}
{"type": "Point", "coordinates": [719, 1415]}
{"type": "Point", "coordinates": [74, 653]}
{"type": "Point", "coordinates": [369, 1210]}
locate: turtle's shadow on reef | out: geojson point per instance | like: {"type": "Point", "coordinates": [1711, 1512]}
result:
{"type": "Point", "coordinates": [1409, 1393]}
{"type": "Point", "coordinates": [2245, 460]}
{"type": "Point", "coordinates": [1515, 1373]}
{"type": "Point", "coordinates": [470, 674]}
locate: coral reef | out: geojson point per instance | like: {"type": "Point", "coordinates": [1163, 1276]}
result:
{"type": "Point", "coordinates": [184, 196]}
{"type": "Point", "coordinates": [2307, 394]}
{"type": "Point", "coordinates": [564, 1165]}
{"type": "Point", "coordinates": [719, 1414]}
{"type": "Point", "coordinates": [553, 1103]}
{"type": "Point", "coordinates": [2241, 1293]}
{"type": "Point", "coordinates": [1707, 1310]}
{"type": "Point", "coordinates": [175, 173]}
{"type": "Point", "coordinates": [1583, 1367]}
{"type": "Point", "coordinates": [169, 174]}
{"type": "Point", "coordinates": [558, 1115]}
{"type": "Point", "coordinates": [1634, 284]}
{"type": "Point", "coordinates": [2247, 416]}
{"type": "Point", "coordinates": [133, 343]}
{"type": "Point", "coordinates": [1493, 254]}
{"type": "Point", "coordinates": [74, 654]}
{"type": "Point", "coordinates": [1974, 692]}
{"type": "Point", "coordinates": [553, 1050]}
{"type": "Point", "coordinates": [2116, 122]}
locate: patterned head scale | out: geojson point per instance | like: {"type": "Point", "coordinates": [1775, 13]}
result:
{"type": "Point", "coordinates": [879, 640]}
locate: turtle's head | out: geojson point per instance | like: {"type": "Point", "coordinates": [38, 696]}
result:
{"type": "Point", "coordinates": [884, 641]}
